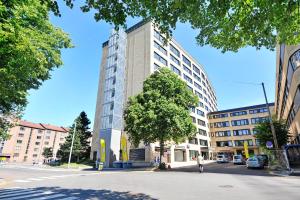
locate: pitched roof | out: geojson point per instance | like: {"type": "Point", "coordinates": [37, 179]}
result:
{"type": "Point", "coordinates": [42, 126]}
{"type": "Point", "coordinates": [30, 124]}
{"type": "Point", "coordinates": [54, 128]}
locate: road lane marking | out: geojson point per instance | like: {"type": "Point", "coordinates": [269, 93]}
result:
{"type": "Point", "coordinates": [49, 197]}
{"type": "Point", "coordinates": [11, 192]}
{"type": "Point", "coordinates": [69, 198]}
{"type": "Point", "coordinates": [17, 194]}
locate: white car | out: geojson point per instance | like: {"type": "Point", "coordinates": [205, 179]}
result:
{"type": "Point", "coordinates": [255, 162]}
{"type": "Point", "coordinates": [222, 159]}
{"type": "Point", "coordinates": [238, 159]}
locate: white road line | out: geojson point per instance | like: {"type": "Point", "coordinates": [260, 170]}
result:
{"type": "Point", "coordinates": [18, 193]}
{"type": "Point", "coordinates": [69, 198]}
{"type": "Point", "coordinates": [21, 181]}
{"type": "Point", "coordinates": [47, 177]}
{"type": "Point", "coordinates": [49, 197]}
{"type": "Point", "coordinates": [34, 179]}
{"type": "Point", "coordinates": [26, 196]}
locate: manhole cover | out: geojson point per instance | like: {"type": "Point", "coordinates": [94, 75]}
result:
{"type": "Point", "coordinates": [226, 186]}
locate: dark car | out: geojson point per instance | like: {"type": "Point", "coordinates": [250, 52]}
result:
{"type": "Point", "coordinates": [265, 159]}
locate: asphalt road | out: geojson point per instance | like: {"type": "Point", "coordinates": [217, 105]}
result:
{"type": "Point", "coordinates": [220, 181]}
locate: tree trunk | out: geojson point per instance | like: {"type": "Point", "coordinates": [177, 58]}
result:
{"type": "Point", "coordinates": [161, 152]}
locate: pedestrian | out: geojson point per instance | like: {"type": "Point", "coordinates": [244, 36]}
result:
{"type": "Point", "coordinates": [200, 162]}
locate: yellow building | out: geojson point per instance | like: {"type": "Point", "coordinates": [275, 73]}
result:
{"type": "Point", "coordinates": [287, 100]}
{"type": "Point", "coordinates": [229, 129]}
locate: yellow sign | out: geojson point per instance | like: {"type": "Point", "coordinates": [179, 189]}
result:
{"type": "Point", "coordinates": [246, 149]}
{"type": "Point", "coordinates": [124, 148]}
{"type": "Point", "coordinates": [102, 150]}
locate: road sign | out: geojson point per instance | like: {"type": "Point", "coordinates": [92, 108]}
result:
{"type": "Point", "coordinates": [269, 144]}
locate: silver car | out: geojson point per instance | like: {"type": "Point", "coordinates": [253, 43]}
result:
{"type": "Point", "coordinates": [255, 162]}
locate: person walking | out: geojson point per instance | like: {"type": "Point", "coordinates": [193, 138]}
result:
{"type": "Point", "coordinates": [200, 162]}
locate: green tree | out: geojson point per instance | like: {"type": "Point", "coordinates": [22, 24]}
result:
{"type": "Point", "coordinates": [265, 134]}
{"type": "Point", "coordinates": [223, 24]}
{"type": "Point", "coordinates": [161, 111]}
{"type": "Point", "coordinates": [81, 146]}
{"type": "Point", "coordinates": [30, 47]}
{"type": "Point", "coordinates": [48, 152]}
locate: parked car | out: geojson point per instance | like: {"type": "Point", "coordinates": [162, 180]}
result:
{"type": "Point", "coordinates": [238, 159]}
{"type": "Point", "coordinates": [265, 159]}
{"type": "Point", "coordinates": [255, 162]}
{"type": "Point", "coordinates": [222, 158]}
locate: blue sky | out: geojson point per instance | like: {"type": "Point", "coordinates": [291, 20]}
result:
{"type": "Point", "coordinates": [73, 87]}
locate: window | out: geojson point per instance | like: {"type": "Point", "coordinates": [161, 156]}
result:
{"type": "Point", "coordinates": [193, 141]}
{"type": "Point", "coordinates": [18, 148]}
{"type": "Point", "coordinates": [48, 131]}
{"type": "Point", "coordinates": [187, 70]}
{"type": "Point", "coordinates": [221, 124]}
{"type": "Point", "coordinates": [187, 78]}
{"type": "Point", "coordinates": [175, 60]}
{"type": "Point", "coordinates": [40, 131]}
{"type": "Point", "coordinates": [37, 143]}
{"type": "Point", "coordinates": [241, 142]}
{"type": "Point", "coordinates": [62, 139]}
{"type": "Point", "coordinates": [19, 141]}
{"type": "Point", "coordinates": [22, 128]}
{"type": "Point", "coordinates": [160, 59]}
{"type": "Point", "coordinates": [197, 86]}
{"type": "Point", "coordinates": [255, 131]}
{"type": "Point", "coordinates": [186, 61]}
{"type": "Point", "coordinates": [193, 154]}
{"type": "Point", "coordinates": [38, 137]}
{"type": "Point", "coordinates": [258, 120]}
{"type": "Point", "coordinates": [294, 107]}
{"type": "Point", "coordinates": [201, 122]}
{"type": "Point", "coordinates": [16, 154]}
{"type": "Point", "coordinates": [193, 119]}
{"type": "Point", "coordinates": [34, 155]}
{"type": "Point", "coordinates": [158, 36]}
{"type": "Point", "coordinates": [200, 104]}
{"type": "Point", "coordinates": [112, 106]}
{"type": "Point", "coordinates": [192, 109]}
{"type": "Point", "coordinates": [21, 135]}
{"type": "Point", "coordinates": [47, 137]}
{"type": "Point", "coordinates": [239, 113]}
{"type": "Point", "coordinates": [203, 142]}
{"type": "Point", "coordinates": [160, 48]}
{"type": "Point", "coordinates": [190, 88]}
{"type": "Point", "coordinates": [241, 132]}
{"type": "Point", "coordinates": [217, 116]}
{"type": "Point", "coordinates": [197, 77]}
{"type": "Point", "coordinates": [257, 142]}
{"type": "Point", "coordinates": [46, 143]}
{"type": "Point", "coordinates": [174, 50]}
{"type": "Point", "coordinates": [156, 66]}
{"type": "Point", "coordinates": [200, 112]}
{"type": "Point", "coordinates": [222, 133]}
{"type": "Point", "coordinates": [202, 132]}
{"type": "Point", "coordinates": [176, 70]}
{"type": "Point", "coordinates": [110, 118]}
{"type": "Point", "coordinates": [224, 143]}
{"type": "Point", "coordinates": [114, 80]}
{"type": "Point", "coordinates": [259, 110]}
{"type": "Point", "coordinates": [113, 93]}
{"type": "Point", "coordinates": [36, 149]}
{"type": "Point", "coordinates": [199, 94]}
{"type": "Point", "coordinates": [241, 122]}
{"type": "Point", "coordinates": [196, 69]}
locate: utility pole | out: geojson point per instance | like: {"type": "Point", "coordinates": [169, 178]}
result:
{"type": "Point", "coordinates": [70, 155]}
{"type": "Point", "coordinates": [270, 118]}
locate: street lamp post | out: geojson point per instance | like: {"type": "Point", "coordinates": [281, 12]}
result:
{"type": "Point", "coordinates": [270, 118]}
{"type": "Point", "coordinates": [70, 155]}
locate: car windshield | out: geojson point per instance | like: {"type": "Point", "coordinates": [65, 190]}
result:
{"type": "Point", "coordinates": [253, 159]}
{"type": "Point", "coordinates": [220, 156]}
{"type": "Point", "coordinates": [237, 157]}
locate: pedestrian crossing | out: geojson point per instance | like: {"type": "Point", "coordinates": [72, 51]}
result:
{"type": "Point", "coordinates": [33, 194]}
{"type": "Point", "coordinates": [43, 178]}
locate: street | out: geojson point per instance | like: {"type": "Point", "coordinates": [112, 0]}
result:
{"type": "Point", "coordinates": [218, 182]}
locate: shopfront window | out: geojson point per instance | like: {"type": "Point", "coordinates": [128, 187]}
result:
{"type": "Point", "coordinates": [193, 154]}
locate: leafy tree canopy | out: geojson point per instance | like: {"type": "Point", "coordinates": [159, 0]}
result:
{"type": "Point", "coordinates": [224, 24]}
{"type": "Point", "coordinates": [161, 111]}
{"type": "Point", "coordinates": [30, 47]}
{"type": "Point", "coordinates": [48, 152]}
{"type": "Point", "coordinates": [265, 134]}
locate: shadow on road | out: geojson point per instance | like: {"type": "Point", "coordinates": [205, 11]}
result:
{"type": "Point", "coordinates": [97, 194]}
{"type": "Point", "coordinates": [224, 168]}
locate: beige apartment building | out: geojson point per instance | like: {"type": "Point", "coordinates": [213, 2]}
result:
{"type": "Point", "coordinates": [287, 99]}
{"type": "Point", "coordinates": [128, 58]}
{"type": "Point", "coordinates": [27, 141]}
{"type": "Point", "coordinates": [229, 129]}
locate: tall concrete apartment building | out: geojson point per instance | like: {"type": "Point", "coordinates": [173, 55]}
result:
{"type": "Point", "coordinates": [128, 58]}
{"type": "Point", "coordinates": [28, 140]}
{"type": "Point", "coordinates": [287, 100]}
{"type": "Point", "coordinates": [229, 129]}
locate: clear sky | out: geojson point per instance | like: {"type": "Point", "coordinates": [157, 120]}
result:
{"type": "Point", "coordinates": [73, 87]}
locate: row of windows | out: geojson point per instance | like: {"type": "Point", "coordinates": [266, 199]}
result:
{"type": "Point", "coordinates": [258, 120]}
{"type": "Point", "coordinates": [294, 107]}
{"type": "Point", "coordinates": [240, 122]}
{"type": "Point", "coordinates": [259, 110]}
{"type": "Point", "coordinates": [239, 132]}
{"type": "Point", "coordinates": [195, 141]}
{"type": "Point", "coordinates": [235, 142]}
{"type": "Point", "coordinates": [199, 121]}
{"type": "Point", "coordinates": [239, 113]}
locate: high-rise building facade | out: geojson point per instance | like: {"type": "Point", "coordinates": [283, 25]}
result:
{"type": "Point", "coordinates": [229, 129]}
{"type": "Point", "coordinates": [128, 58]}
{"type": "Point", "coordinates": [287, 99]}
{"type": "Point", "coordinates": [28, 140]}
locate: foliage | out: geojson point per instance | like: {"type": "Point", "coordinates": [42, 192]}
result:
{"type": "Point", "coordinates": [48, 152]}
{"type": "Point", "coordinates": [265, 134]}
{"type": "Point", "coordinates": [81, 145]}
{"type": "Point", "coordinates": [223, 24]}
{"type": "Point", "coordinates": [161, 111]}
{"type": "Point", "coordinates": [30, 47]}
